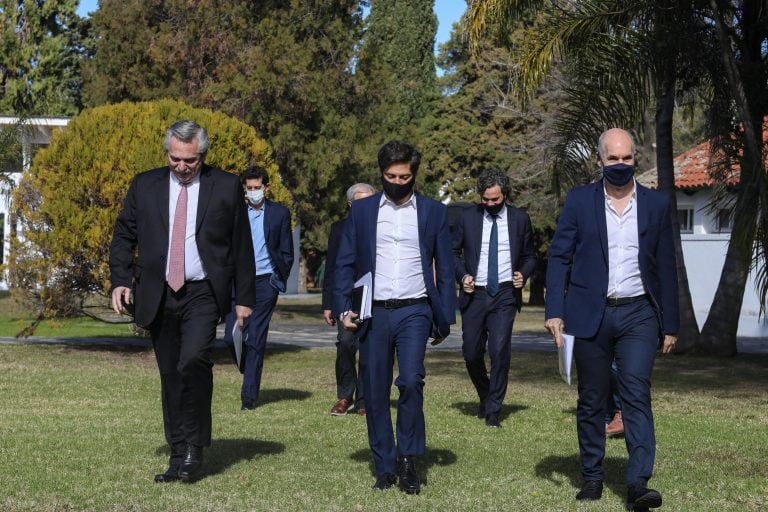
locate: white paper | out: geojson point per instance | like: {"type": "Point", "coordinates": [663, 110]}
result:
{"type": "Point", "coordinates": [237, 339]}
{"type": "Point", "coordinates": [366, 304]}
{"type": "Point", "coordinates": [565, 357]}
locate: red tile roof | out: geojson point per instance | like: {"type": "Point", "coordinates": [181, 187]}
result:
{"type": "Point", "coordinates": [691, 170]}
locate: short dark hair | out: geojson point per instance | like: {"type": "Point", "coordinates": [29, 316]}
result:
{"type": "Point", "coordinates": [490, 178]}
{"type": "Point", "coordinates": [399, 152]}
{"type": "Point", "coordinates": [255, 172]}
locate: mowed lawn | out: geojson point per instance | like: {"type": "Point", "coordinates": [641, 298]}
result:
{"type": "Point", "coordinates": [81, 429]}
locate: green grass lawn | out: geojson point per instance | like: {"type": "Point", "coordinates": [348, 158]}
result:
{"type": "Point", "coordinates": [81, 429]}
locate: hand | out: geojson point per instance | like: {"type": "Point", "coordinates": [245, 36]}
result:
{"type": "Point", "coordinates": [669, 343]}
{"type": "Point", "coordinates": [468, 284]}
{"type": "Point", "coordinates": [517, 280]}
{"type": "Point", "coordinates": [348, 321]}
{"type": "Point", "coordinates": [328, 316]}
{"type": "Point", "coordinates": [121, 296]}
{"type": "Point", "coordinates": [242, 312]}
{"type": "Point", "coordinates": [555, 326]}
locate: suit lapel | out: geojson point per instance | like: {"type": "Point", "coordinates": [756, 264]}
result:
{"type": "Point", "coordinates": [602, 226]}
{"type": "Point", "coordinates": [163, 198]}
{"type": "Point", "coordinates": [204, 195]}
{"type": "Point", "coordinates": [266, 221]}
{"type": "Point", "coordinates": [642, 218]}
{"type": "Point", "coordinates": [421, 219]}
{"type": "Point", "coordinates": [512, 229]}
{"type": "Point", "coordinates": [371, 218]}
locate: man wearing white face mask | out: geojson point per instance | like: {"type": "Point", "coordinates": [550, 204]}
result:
{"type": "Point", "coordinates": [273, 249]}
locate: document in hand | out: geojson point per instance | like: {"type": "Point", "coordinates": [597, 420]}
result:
{"type": "Point", "coordinates": [362, 297]}
{"type": "Point", "coordinates": [565, 357]}
{"type": "Point", "coordinates": [237, 339]}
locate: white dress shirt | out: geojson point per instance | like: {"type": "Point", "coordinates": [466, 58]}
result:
{"type": "Point", "coordinates": [398, 257]}
{"type": "Point", "coordinates": [505, 259]}
{"type": "Point", "coordinates": [193, 266]}
{"type": "Point", "coordinates": [623, 248]}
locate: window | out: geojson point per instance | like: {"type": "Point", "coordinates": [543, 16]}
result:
{"type": "Point", "coordinates": [724, 221]}
{"type": "Point", "coordinates": [685, 218]}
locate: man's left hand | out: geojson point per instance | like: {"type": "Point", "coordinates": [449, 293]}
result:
{"type": "Point", "coordinates": [517, 280]}
{"type": "Point", "coordinates": [242, 312]}
{"type": "Point", "coordinates": [669, 343]}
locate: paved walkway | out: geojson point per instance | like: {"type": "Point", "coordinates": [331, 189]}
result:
{"type": "Point", "coordinates": [303, 335]}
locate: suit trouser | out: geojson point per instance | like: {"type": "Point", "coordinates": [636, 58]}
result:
{"type": "Point", "coordinates": [489, 319]}
{"type": "Point", "coordinates": [255, 344]}
{"type": "Point", "coordinates": [182, 336]}
{"type": "Point", "coordinates": [404, 332]}
{"type": "Point", "coordinates": [348, 385]}
{"type": "Point", "coordinates": [630, 334]}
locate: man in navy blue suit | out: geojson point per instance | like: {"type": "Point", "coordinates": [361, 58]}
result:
{"type": "Point", "coordinates": [612, 284]}
{"type": "Point", "coordinates": [273, 250]}
{"type": "Point", "coordinates": [401, 238]}
{"type": "Point", "coordinates": [493, 251]}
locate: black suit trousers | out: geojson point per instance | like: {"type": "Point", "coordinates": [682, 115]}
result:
{"type": "Point", "coordinates": [182, 335]}
{"type": "Point", "coordinates": [487, 319]}
{"type": "Point", "coordinates": [348, 385]}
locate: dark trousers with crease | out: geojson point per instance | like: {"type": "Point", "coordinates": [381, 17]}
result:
{"type": "Point", "coordinates": [182, 336]}
{"type": "Point", "coordinates": [348, 385]}
{"type": "Point", "coordinates": [488, 320]}
{"type": "Point", "coordinates": [401, 332]}
{"type": "Point", "coordinates": [630, 335]}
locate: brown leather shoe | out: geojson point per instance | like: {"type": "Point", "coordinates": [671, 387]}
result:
{"type": "Point", "coordinates": [341, 407]}
{"type": "Point", "coordinates": [361, 411]}
{"type": "Point", "coordinates": [616, 426]}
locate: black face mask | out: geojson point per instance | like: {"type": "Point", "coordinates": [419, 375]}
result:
{"type": "Point", "coordinates": [618, 175]}
{"type": "Point", "coordinates": [397, 192]}
{"type": "Point", "coordinates": [494, 209]}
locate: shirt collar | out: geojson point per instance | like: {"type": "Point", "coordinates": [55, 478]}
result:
{"type": "Point", "coordinates": [176, 181]}
{"type": "Point", "coordinates": [634, 192]}
{"type": "Point", "coordinates": [410, 202]}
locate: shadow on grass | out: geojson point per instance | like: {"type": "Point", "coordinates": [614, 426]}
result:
{"type": "Point", "coordinates": [224, 453]}
{"type": "Point", "coordinates": [268, 396]}
{"type": "Point", "coordinates": [432, 457]}
{"type": "Point", "coordinates": [470, 409]}
{"type": "Point", "coordinates": [566, 470]}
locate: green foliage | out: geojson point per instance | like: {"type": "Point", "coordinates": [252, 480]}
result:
{"type": "Point", "coordinates": [68, 201]}
{"type": "Point", "coordinates": [40, 48]}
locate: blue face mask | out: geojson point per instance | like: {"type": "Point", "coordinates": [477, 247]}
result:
{"type": "Point", "coordinates": [618, 175]}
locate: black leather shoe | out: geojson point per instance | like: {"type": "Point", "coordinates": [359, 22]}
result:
{"type": "Point", "coordinates": [591, 490]}
{"type": "Point", "coordinates": [641, 498]}
{"type": "Point", "coordinates": [170, 475]}
{"type": "Point", "coordinates": [248, 405]}
{"type": "Point", "coordinates": [192, 463]}
{"type": "Point", "coordinates": [385, 481]}
{"type": "Point", "coordinates": [492, 420]}
{"type": "Point", "coordinates": [409, 481]}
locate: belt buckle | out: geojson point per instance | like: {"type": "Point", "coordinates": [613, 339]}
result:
{"type": "Point", "coordinates": [389, 303]}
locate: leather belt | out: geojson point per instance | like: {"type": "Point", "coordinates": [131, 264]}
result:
{"type": "Point", "coordinates": [623, 301]}
{"type": "Point", "coordinates": [262, 277]}
{"type": "Point", "coordinates": [505, 284]}
{"type": "Point", "coordinates": [398, 303]}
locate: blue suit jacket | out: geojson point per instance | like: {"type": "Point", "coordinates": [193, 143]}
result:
{"type": "Point", "coordinates": [577, 271]}
{"type": "Point", "coordinates": [277, 234]}
{"type": "Point", "coordinates": [468, 240]}
{"type": "Point", "coordinates": [357, 256]}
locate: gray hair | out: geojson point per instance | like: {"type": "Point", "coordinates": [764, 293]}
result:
{"type": "Point", "coordinates": [492, 177]}
{"type": "Point", "coordinates": [601, 139]}
{"type": "Point", "coordinates": [358, 187]}
{"type": "Point", "coordinates": [187, 131]}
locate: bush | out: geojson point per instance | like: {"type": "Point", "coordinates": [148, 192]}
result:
{"type": "Point", "coordinates": [66, 205]}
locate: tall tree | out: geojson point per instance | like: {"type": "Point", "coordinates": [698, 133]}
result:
{"type": "Point", "coordinates": [41, 43]}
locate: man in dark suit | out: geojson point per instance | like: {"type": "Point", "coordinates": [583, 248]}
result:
{"type": "Point", "coordinates": [493, 251]}
{"type": "Point", "coordinates": [401, 238]}
{"type": "Point", "coordinates": [270, 227]}
{"type": "Point", "coordinates": [612, 284]}
{"type": "Point", "coordinates": [189, 225]}
{"type": "Point", "coordinates": [349, 388]}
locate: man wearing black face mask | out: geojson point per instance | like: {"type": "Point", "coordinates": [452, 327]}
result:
{"type": "Point", "coordinates": [401, 239]}
{"type": "Point", "coordinates": [612, 284]}
{"type": "Point", "coordinates": [493, 256]}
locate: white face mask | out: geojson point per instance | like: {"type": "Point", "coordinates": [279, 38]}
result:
{"type": "Point", "coordinates": [255, 197]}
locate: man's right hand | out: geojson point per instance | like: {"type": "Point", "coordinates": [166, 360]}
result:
{"type": "Point", "coordinates": [468, 284]}
{"type": "Point", "coordinates": [555, 326]}
{"type": "Point", "coordinates": [121, 297]}
{"type": "Point", "coordinates": [328, 316]}
{"type": "Point", "coordinates": [348, 321]}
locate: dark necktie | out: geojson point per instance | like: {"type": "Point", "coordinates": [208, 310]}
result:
{"type": "Point", "coordinates": [492, 286]}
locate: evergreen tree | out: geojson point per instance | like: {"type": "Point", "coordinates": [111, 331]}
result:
{"type": "Point", "coordinates": [41, 43]}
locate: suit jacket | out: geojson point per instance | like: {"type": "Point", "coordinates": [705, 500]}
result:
{"type": "Point", "coordinates": [577, 271]}
{"type": "Point", "coordinates": [334, 239]}
{"type": "Point", "coordinates": [277, 235]}
{"type": "Point", "coordinates": [357, 256]}
{"type": "Point", "coordinates": [468, 240]}
{"type": "Point", "coordinates": [222, 235]}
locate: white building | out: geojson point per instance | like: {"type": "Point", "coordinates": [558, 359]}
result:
{"type": "Point", "coordinates": [705, 233]}
{"type": "Point", "coordinates": [35, 133]}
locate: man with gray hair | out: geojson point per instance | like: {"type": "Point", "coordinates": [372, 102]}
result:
{"type": "Point", "coordinates": [181, 243]}
{"type": "Point", "coordinates": [349, 387]}
{"type": "Point", "coordinates": [493, 254]}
